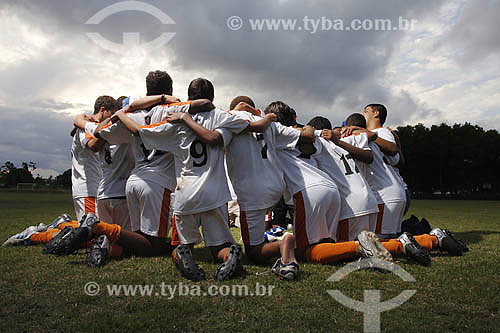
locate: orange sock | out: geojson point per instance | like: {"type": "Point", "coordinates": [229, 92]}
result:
{"type": "Point", "coordinates": [393, 246]}
{"type": "Point", "coordinates": [428, 242]}
{"type": "Point", "coordinates": [327, 253]}
{"type": "Point", "coordinates": [175, 236]}
{"type": "Point", "coordinates": [115, 251]}
{"type": "Point", "coordinates": [43, 237]}
{"type": "Point", "coordinates": [174, 256]}
{"type": "Point", "coordinates": [113, 231]}
{"type": "Point", "coordinates": [73, 224]}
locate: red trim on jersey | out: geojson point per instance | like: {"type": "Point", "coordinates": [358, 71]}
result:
{"type": "Point", "coordinates": [177, 104]}
{"type": "Point", "coordinates": [244, 228]}
{"type": "Point", "coordinates": [343, 231]}
{"type": "Point", "coordinates": [301, 238]}
{"type": "Point", "coordinates": [165, 212]}
{"type": "Point", "coordinates": [154, 125]}
{"type": "Point", "coordinates": [89, 205]}
{"type": "Point", "coordinates": [105, 126]}
{"type": "Point", "coordinates": [175, 235]}
{"type": "Point", "coordinates": [380, 216]}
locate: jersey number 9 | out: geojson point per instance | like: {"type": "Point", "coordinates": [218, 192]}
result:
{"type": "Point", "coordinates": [198, 150]}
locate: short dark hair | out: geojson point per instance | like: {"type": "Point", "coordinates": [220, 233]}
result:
{"type": "Point", "coordinates": [107, 102]}
{"type": "Point", "coordinates": [320, 123]}
{"type": "Point", "coordinates": [200, 89]}
{"type": "Point", "coordinates": [239, 99]}
{"type": "Point", "coordinates": [382, 111]}
{"type": "Point", "coordinates": [121, 99]}
{"type": "Point", "coordinates": [158, 82]}
{"type": "Point", "coordinates": [356, 119]}
{"type": "Point", "coordinates": [285, 113]}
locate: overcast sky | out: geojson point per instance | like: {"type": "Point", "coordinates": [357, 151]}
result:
{"type": "Point", "coordinates": [445, 69]}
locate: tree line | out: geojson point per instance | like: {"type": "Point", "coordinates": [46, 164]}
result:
{"type": "Point", "coordinates": [462, 160]}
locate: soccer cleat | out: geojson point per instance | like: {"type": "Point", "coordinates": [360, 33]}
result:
{"type": "Point", "coordinates": [87, 221]}
{"type": "Point", "coordinates": [285, 271]}
{"type": "Point", "coordinates": [460, 242]}
{"type": "Point", "coordinates": [413, 250]}
{"type": "Point", "coordinates": [54, 246]}
{"type": "Point", "coordinates": [228, 268]}
{"type": "Point", "coordinates": [70, 242]}
{"type": "Point", "coordinates": [99, 252]}
{"type": "Point", "coordinates": [448, 242]}
{"type": "Point", "coordinates": [64, 218]}
{"type": "Point", "coordinates": [370, 247]}
{"type": "Point", "coordinates": [186, 264]}
{"type": "Point", "coordinates": [21, 238]}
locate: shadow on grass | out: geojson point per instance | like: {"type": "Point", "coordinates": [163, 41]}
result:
{"type": "Point", "coordinates": [475, 236]}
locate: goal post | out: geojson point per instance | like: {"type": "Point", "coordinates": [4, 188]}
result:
{"type": "Point", "coordinates": [26, 186]}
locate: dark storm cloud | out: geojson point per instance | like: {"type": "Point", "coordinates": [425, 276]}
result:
{"type": "Point", "coordinates": [311, 72]}
{"type": "Point", "coordinates": [475, 33]}
{"type": "Point", "coordinates": [35, 134]}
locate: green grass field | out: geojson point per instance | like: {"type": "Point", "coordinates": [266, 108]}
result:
{"type": "Point", "coordinates": [41, 292]}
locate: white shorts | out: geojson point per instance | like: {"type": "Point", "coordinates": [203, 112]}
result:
{"type": "Point", "coordinates": [350, 228]}
{"type": "Point", "coordinates": [149, 207]}
{"type": "Point", "coordinates": [114, 210]}
{"type": "Point", "coordinates": [317, 211]}
{"type": "Point", "coordinates": [214, 224]}
{"type": "Point", "coordinates": [253, 226]}
{"type": "Point", "coordinates": [389, 218]}
{"type": "Point", "coordinates": [83, 206]}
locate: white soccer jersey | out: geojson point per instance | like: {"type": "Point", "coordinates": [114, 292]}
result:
{"type": "Point", "coordinates": [356, 196]}
{"type": "Point", "coordinates": [298, 174]}
{"type": "Point", "coordinates": [257, 183]}
{"type": "Point", "coordinates": [85, 169]}
{"type": "Point", "coordinates": [201, 177]}
{"type": "Point", "coordinates": [150, 166]}
{"type": "Point", "coordinates": [116, 163]}
{"type": "Point", "coordinates": [383, 179]}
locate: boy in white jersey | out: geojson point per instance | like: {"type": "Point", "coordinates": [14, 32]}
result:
{"type": "Point", "coordinates": [116, 164]}
{"type": "Point", "coordinates": [390, 196]}
{"type": "Point", "coordinates": [316, 196]}
{"type": "Point", "coordinates": [152, 181]}
{"type": "Point", "coordinates": [337, 158]}
{"type": "Point", "coordinates": [382, 178]}
{"type": "Point", "coordinates": [386, 185]}
{"type": "Point", "coordinates": [258, 186]}
{"type": "Point", "coordinates": [86, 171]}
{"type": "Point", "coordinates": [202, 193]}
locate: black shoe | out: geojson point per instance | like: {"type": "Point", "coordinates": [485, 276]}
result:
{"type": "Point", "coordinates": [186, 264]}
{"type": "Point", "coordinates": [54, 245]}
{"type": "Point", "coordinates": [413, 250]}
{"type": "Point", "coordinates": [448, 242]}
{"type": "Point", "coordinates": [228, 268]}
{"type": "Point", "coordinates": [460, 242]}
{"type": "Point", "coordinates": [99, 253]}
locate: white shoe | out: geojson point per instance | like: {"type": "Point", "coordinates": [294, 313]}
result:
{"type": "Point", "coordinates": [370, 247]}
{"type": "Point", "coordinates": [20, 238]}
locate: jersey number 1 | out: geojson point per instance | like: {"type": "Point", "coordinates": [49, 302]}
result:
{"type": "Point", "coordinates": [348, 170]}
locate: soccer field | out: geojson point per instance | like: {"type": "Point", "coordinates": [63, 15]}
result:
{"type": "Point", "coordinates": [42, 292]}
